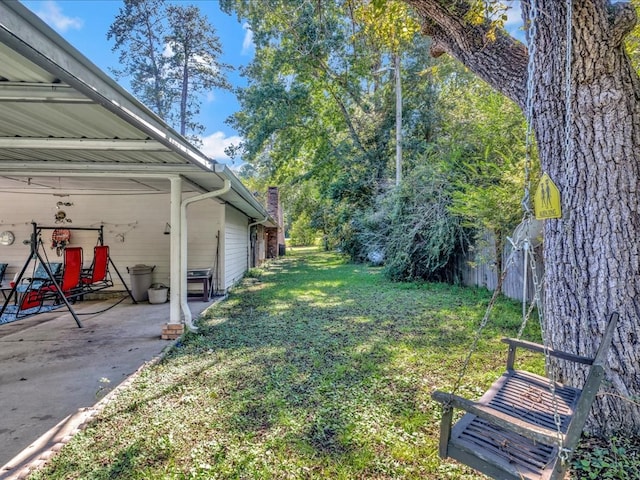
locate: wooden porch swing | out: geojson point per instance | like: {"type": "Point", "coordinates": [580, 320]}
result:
{"type": "Point", "coordinates": [525, 426]}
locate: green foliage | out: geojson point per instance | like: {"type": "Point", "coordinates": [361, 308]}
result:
{"type": "Point", "coordinates": [315, 117]}
{"type": "Point", "coordinates": [482, 145]}
{"type": "Point", "coordinates": [613, 458]}
{"type": "Point", "coordinates": [488, 12]}
{"type": "Point", "coordinates": [414, 228]}
{"type": "Point", "coordinates": [301, 232]}
{"type": "Point", "coordinates": [318, 120]}
{"type": "Point", "coordinates": [469, 177]}
{"type": "Point", "coordinates": [254, 273]}
{"type": "Point", "coordinates": [424, 237]}
{"type": "Point", "coordinates": [390, 23]}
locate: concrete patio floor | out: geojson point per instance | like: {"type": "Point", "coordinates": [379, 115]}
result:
{"type": "Point", "coordinates": [53, 373]}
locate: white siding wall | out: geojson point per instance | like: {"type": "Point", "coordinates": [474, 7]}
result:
{"type": "Point", "coordinates": [236, 246]}
{"type": "Point", "coordinates": [205, 222]}
{"type": "Point", "coordinates": [133, 228]}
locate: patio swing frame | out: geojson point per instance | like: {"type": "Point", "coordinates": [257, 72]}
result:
{"type": "Point", "coordinates": [51, 288]}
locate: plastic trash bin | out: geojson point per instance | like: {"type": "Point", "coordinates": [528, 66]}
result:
{"type": "Point", "coordinates": [141, 279]}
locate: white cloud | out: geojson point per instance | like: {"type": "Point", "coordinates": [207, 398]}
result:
{"type": "Point", "coordinates": [213, 146]}
{"type": "Point", "coordinates": [51, 13]}
{"type": "Point", "coordinates": [247, 42]}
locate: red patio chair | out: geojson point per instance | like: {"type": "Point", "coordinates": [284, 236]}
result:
{"type": "Point", "coordinates": [97, 276]}
{"type": "Point", "coordinates": [71, 271]}
{"type": "Point", "coordinates": [69, 283]}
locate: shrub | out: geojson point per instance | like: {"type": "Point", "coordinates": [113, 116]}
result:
{"type": "Point", "coordinates": [415, 229]}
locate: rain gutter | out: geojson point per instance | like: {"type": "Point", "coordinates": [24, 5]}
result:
{"type": "Point", "coordinates": [224, 172]}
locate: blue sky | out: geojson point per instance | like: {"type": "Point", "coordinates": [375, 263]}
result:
{"type": "Point", "coordinates": [84, 24]}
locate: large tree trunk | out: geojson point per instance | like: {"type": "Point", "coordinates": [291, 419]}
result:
{"type": "Point", "coordinates": [591, 254]}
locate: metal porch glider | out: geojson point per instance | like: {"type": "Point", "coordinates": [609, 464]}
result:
{"type": "Point", "coordinates": [49, 289]}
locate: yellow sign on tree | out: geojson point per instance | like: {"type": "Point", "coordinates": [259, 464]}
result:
{"type": "Point", "coordinates": [547, 199]}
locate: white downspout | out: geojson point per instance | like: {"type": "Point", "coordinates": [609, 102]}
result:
{"type": "Point", "coordinates": [188, 318]}
{"type": "Point", "coordinates": [249, 233]}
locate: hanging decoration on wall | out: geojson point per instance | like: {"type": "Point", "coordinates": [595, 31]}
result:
{"type": "Point", "coordinates": [118, 230]}
{"type": "Point", "coordinates": [61, 217]}
{"type": "Point", "coordinates": [60, 238]}
{"type": "Point", "coordinates": [7, 237]}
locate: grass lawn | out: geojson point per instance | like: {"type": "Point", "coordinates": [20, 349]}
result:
{"type": "Point", "coordinates": [313, 368]}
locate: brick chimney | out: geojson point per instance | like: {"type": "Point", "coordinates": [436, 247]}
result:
{"type": "Point", "coordinates": [275, 243]}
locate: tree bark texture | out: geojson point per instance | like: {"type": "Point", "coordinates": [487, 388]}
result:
{"type": "Point", "coordinates": [591, 254]}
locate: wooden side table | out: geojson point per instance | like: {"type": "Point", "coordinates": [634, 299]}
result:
{"type": "Point", "coordinates": [203, 276]}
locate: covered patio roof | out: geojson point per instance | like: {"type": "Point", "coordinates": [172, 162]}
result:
{"type": "Point", "coordinates": [67, 127]}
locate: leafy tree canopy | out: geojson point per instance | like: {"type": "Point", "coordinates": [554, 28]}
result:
{"type": "Point", "coordinates": [317, 119]}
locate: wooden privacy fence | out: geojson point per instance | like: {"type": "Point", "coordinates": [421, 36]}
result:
{"type": "Point", "coordinates": [478, 268]}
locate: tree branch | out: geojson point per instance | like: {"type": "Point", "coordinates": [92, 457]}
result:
{"type": "Point", "coordinates": [501, 62]}
{"type": "Point", "coordinates": [622, 18]}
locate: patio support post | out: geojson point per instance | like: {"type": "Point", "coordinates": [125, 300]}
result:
{"type": "Point", "coordinates": [175, 259]}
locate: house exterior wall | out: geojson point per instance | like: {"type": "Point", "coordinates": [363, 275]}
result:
{"type": "Point", "coordinates": [236, 247]}
{"type": "Point", "coordinates": [205, 221]}
{"type": "Point", "coordinates": [259, 247]}
{"type": "Point", "coordinates": [134, 228]}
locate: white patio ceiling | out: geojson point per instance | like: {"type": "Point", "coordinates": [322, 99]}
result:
{"type": "Point", "coordinates": [68, 128]}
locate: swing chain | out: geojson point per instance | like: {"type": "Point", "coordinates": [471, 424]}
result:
{"type": "Point", "coordinates": [483, 323]}
{"type": "Point", "coordinates": [564, 453]}
{"type": "Point", "coordinates": [537, 288]}
{"type": "Point", "coordinates": [533, 33]}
